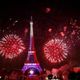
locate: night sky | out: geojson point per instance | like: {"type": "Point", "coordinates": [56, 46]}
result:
{"type": "Point", "coordinates": [15, 17]}
{"type": "Point", "coordinates": [34, 7]}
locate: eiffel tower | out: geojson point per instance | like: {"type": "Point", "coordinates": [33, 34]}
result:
{"type": "Point", "coordinates": [31, 63]}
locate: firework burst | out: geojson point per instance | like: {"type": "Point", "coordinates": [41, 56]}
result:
{"type": "Point", "coordinates": [71, 32]}
{"type": "Point", "coordinates": [11, 46]}
{"type": "Point", "coordinates": [55, 51]}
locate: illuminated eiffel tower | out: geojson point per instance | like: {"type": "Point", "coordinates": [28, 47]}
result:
{"type": "Point", "coordinates": [31, 65]}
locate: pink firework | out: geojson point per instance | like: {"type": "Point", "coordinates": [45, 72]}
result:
{"type": "Point", "coordinates": [55, 51]}
{"type": "Point", "coordinates": [11, 46]}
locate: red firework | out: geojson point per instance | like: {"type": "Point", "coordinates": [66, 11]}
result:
{"type": "Point", "coordinates": [11, 46]}
{"type": "Point", "coordinates": [55, 51]}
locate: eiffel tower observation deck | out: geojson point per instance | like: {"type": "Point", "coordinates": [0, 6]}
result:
{"type": "Point", "coordinates": [31, 64]}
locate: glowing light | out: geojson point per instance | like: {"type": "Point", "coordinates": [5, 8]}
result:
{"type": "Point", "coordinates": [62, 34]}
{"type": "Point", "coordinates": [55, 50]}
{"type": "Point", "coordinates": [48, 9]}
{"type": "Point", "coordinates": [26, 30]}
{"type": "Point", "coordinates": [11, 46]}
{"type": "Point", "coordinates": [31, 72]}
{"type": "Point", "coordinates": [65, 28]}
{"type": "Point", "coordinates": [31, 29]}
{"type": "Point", "coordinates": [15, 22]}
{"type": "Point", "coordinates": [50, 29]}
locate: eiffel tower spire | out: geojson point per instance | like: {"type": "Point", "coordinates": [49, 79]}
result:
{"type": "Point", "coordinates": [31, 61]}
{"type": "Point", "coordinates": [31, 52]}
{"type": "Point", "coordinates": [31, 46]}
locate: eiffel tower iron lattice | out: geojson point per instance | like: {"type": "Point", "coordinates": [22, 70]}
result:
{"type": "Point", "coordinates": [31, 63]}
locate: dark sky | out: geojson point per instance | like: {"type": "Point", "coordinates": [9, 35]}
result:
{"type": "Point", "coordinates": [29, 7]}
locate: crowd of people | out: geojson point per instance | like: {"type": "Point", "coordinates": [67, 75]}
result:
{"type": "Point", "coordinates": [46, 75]}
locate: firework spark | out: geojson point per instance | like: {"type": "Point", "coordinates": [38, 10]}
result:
{"type": "Point", "coordinates": [71, 32]}
{"type": "Point", "coordinates": [11, 46]}
{"type": "Point", "coordinates": [55, 50]}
